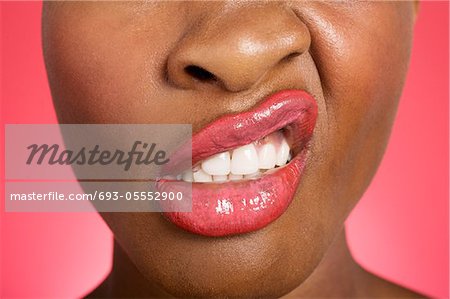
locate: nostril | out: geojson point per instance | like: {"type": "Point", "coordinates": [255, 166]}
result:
{"type": "Point", "coordinates": [199, 73]}
{"type": "Point", "coordinates": [291, 56]}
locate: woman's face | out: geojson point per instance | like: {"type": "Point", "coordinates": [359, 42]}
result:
{"type": "Point", "coordinates": [114, 62]}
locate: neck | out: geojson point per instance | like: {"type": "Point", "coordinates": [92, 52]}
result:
{"type": "Point", "coordinates": [125, 280]}
{"type": "Point", "coordinates": [337, 275]}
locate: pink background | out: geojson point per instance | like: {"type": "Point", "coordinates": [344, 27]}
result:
{"type": "Point", "coordinates": [399, 230]}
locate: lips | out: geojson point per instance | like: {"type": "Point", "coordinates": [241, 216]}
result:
{"type": "Point", "coordinates": [240, 206]}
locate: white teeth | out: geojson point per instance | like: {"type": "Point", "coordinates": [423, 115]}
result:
{"type": "Point", "coordinates": [219, 178]}
{"type": "Point", "coordinates": [267, 156]}
{"type": "Point", "coordinates": [187, 176]}
{"type": "Point", "coordinates": [218, 164]}
{"type": "Point", "coordinates": [283, 153]}
{"type": "Point", "coordinates": [252, 175]}
{"type": "Point", "coordinates": [201, 176]}
{"type": "Point", "coordinates": [235, 177]}
{"type": "Point", "coordinates": [244, 160]}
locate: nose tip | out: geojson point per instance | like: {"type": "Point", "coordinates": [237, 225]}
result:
{"type": "Point", "coordinates": [238, 50]}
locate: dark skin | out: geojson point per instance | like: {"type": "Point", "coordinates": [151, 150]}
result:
{"type": "Point", "coordinates": [124, 62]}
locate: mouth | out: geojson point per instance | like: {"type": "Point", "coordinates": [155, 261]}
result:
{"type": "Point", "coordinates": [247, 166]}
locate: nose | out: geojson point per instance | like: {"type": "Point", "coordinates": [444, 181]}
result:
{"type": "Point", "coordinates": [238, 48]}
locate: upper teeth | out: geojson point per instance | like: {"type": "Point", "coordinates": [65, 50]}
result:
{"type": "Point", "coordinates": [218, 164]}
{"type": "Point", "coordinates": [242, 162]}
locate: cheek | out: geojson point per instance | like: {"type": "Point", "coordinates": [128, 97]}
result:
{"type": "Point", "coordinates": [112, 75]}
{"type": "Point", "coordinates": [362, 68]}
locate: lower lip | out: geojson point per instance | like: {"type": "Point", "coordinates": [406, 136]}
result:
{"type": "Point", "coordinates": [238, 207]}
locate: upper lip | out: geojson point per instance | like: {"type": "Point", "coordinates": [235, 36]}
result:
{"type": "Point", "coordinates": [280, 110]}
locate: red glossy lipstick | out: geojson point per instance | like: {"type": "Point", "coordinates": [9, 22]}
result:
{"type": "Point", "coordinates": [236, 207]}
